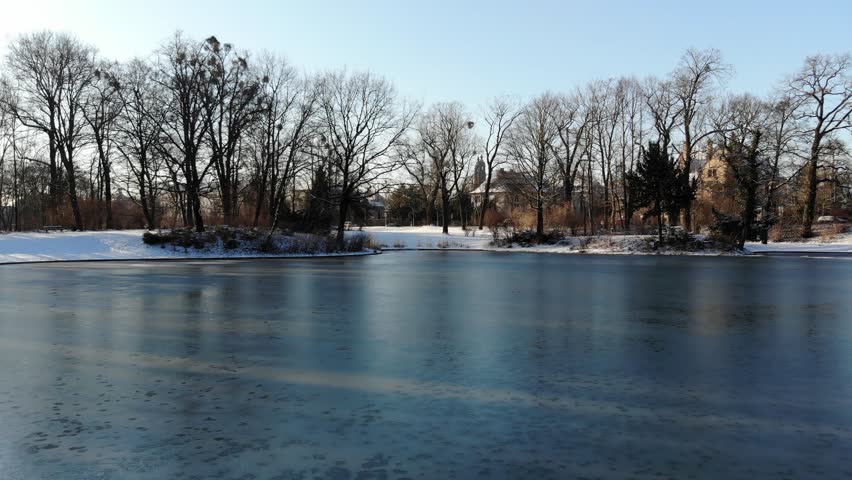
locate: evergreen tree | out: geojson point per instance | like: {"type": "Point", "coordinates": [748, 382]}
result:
{"type": "Point", "coordinates": [660, 185]}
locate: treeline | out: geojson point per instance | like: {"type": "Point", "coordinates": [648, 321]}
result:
{"type": "Point", "coordinates": [623, 151]}
{"type": "Point", "coordinates": [201, 132]}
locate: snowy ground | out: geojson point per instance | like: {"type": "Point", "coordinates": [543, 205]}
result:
{"type": "Point", "coordinates": [839, 244]}
{"type": "Point", "coordinates": [391, 238]}
{"type": "Point", "coordinates": [127, 245]}
{"type": "Point", "coordinates": [109, 245]}
{"type": "Point", "coordinates": [397, 238]}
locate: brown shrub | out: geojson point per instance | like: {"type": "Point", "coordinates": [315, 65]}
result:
{"type": "Point", "coordinates": [493, 218]}
{"type": "Point", "coordinates": [829, 231]}
{"type": "Point", "coordinates": [785, 232]}
{"type": "Point", "coordinates": [523, 218]}
{"type": "Point", "coordinates": [559, 216]}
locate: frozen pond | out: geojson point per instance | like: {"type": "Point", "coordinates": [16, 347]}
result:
{"type": "Point", "coordinates": [428, 365]}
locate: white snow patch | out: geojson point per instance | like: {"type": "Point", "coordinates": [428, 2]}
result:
{"type": "Point", "coordinates": [839, 244]}
{"type": "Point", "coordinates": [108, 245]}
{"type": "Point", "coordinates": [431, 237]}
{"type": "Point", "coordinates": [395, 238]}
{"type": "Point", "coordinates": [127, 245]}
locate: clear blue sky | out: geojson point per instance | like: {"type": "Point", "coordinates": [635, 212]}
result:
{"type": "Point", "coordinates": [469, 50]}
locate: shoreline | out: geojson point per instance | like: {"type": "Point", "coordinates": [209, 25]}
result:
{"type": "Point", "coordinates": [127, 246]}
{"type": "Point", "coordinates": [571, 252]}
{"type": "Point", "coordinates": [766, 254]}
{"type": "Point", "coordinates": [195, 259]}
{"type": "Point", "coordinates": [741, 254]}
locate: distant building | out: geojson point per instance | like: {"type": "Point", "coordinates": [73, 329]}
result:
{"type": "Point", "coordinates": [716, 186]}
{"type": "Point", "coordinates": [715, 179]}
{"type": "Point", "coordinates": [506, 193]}
{"type": "Point", "coordinates": [479, 172]}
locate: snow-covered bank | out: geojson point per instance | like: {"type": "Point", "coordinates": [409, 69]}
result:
{"type": "Point", "coordinates": [423, 238]}
{"type": "Point", "coordinates": [396, 238]}
{"type": "Point", "coordinates": [839, 244]}
{"type": "Point", "coordinates": [127, 245]}
{"type": "Point", "coordinates": [32, 247]}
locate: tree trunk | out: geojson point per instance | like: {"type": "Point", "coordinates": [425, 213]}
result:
{"type": "Point", "coordinates": [341, 221]}
{"type": "Point", "coordinates": [108, 197]}
{"type": "Point", "coordinates": [431, 211]}
{"type": "Point", "coordinates": [445, 206]}
{"type": "Point", "coordinates": [591, 204]}
{"type": "Point", "coordinates": [68, 163]}
{"type": "Point", "coordinates": [225, 190]}
{"type": "Point", "coordinates": [567, 188]}
{"type": "Point", "coordinates": [485, 199]}
{"type": "Point", "coordinates": [75, 207]}
{"type": "Point", "coordinates": [193, 193]}
{"type": "Point", "coordinates": [687, 215]}
{"type": "Point", "coordinates": [539, 220]}
{"type": "Point", "coordinates": [54, 186]}
{"type": "Point", "coordinates": [143, 200]}
{"type": "Point", "coordinates": [193, 200]}
{"type": "Point", "coordinates": [767, 208]}
{"type": "Point", "coordinates": [17, 225]}
{"type": "Point", "coordinates": [462, 213]}
{"type": "Point", "coordinates": [261, 198]}
{"type": "Point", "coordinates": [106, 176]}
{"type": "Point", "coordinates": [811, 193]}
{"type": "Point", "coordinates": [748, 216]}
{"type": "Point", "coordinates": [196, 212]}
{"type": "Point", "coordinates": [687, 166]}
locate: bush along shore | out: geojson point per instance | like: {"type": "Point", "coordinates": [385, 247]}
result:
{"type": "Point", "coordinates": [246, 241]}
{"type": "Point", "coordinates": [675, 241]}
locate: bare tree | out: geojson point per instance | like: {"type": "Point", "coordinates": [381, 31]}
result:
{"type": "Point", "coordinates": [8, 147]}
{"type": "Point", "coordinates": [461, 154]}
{"type": "Point", "coordinates": [500, 115]}
{"type": "Point", "coordinates": [295, 109]}
{"type": "Point", "coordinates": [663, 108]}
{"type": "Point", "coordinates": [138, 134]}
{"type": "Point", "coordinates": [52, 72]}
{"type": "Point", "coordinates": [182, 77]}
{"type": "Point", "coordinates": [784, 134]}
{"type": "Point", "coordinates": [694, 80]}
{"type": "Point", "coordinates": [231, 109]}
{"type": "Point", "coordinates": [631, 139]}
{"type": "Point", "coordinates": [35, 95]}
{"type": "Point", "coordinates": [7, 156]}
{"type": "Point", "coordinates": [531, 148]}
{"type": "Point", "coordinates": [420, 167]}
{"type": "Point", "coordinates": [824, 89]}
{"type": "Point", "coordinates": [573, 119]}
{"type": "Point", "coordinates": [279, 98]}
{"type": "Point", "coordinates": [364, 123]}
{"type": "Point", "coordinates": [607, 101]}
{"type": "Point", "coordinates": [442, 132]}
{"type": "Point", "coordinates": [103, 106]}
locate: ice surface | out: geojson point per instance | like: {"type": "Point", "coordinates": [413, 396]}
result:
{"type": "Point", "coordinates": [427, 365]}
